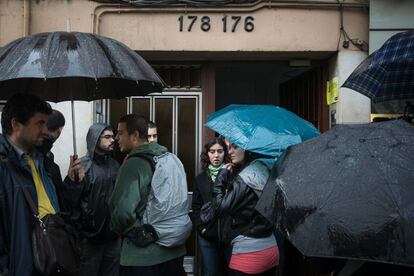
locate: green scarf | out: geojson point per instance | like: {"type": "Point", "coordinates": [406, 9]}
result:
{"type": "Point", "coordinates": [214, 171]}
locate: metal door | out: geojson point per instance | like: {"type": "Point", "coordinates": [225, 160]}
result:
{"type": "Point", "coordinates": [178, 119]}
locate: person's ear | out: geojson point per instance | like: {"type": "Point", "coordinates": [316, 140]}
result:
{"type": "Point", "coordinates": [136, 135]}
{"type": "Point", "coordinates": [15, 124]}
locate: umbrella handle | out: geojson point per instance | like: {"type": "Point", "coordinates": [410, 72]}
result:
{"type": "Point", "coordinates": [73, 128]}
{"type": "Point", "coordinates": [76, 172]}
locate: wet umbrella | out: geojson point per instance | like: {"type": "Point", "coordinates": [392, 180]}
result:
{"type": "Point", "coordinates": [264, 129]}
{"type": "Point", "coordinates": [388, 73]}
{"type": "Point", "coordinates": [62, 66]}
{"type": "Point", "coordinates": [348, 193]}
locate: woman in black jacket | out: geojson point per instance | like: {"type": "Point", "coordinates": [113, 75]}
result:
{"type": "Point", "coordinates": [212, 157]}
{"type": "Point", "coordinates": [237, 188]}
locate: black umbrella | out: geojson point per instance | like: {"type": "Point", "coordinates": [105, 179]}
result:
{"type": "Point", "coordinates": [62, 66]}
{"type": "Point", "coordinates": [388, 73]}
{"type": "Point", "coordinates": [348, 193]}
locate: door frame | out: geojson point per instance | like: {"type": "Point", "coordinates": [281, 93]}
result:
{"type": "Point", "coordinates": [175, 95]}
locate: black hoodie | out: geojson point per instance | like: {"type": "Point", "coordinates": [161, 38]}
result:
{"type": "Point", "coordinates": [89, 198]}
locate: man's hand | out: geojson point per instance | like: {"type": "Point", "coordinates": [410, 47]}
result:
{"type": "Point", "coordinates": [75, 167]}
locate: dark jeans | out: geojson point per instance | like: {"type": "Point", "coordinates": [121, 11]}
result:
{"type": "Point", "coordinates": [173, 267]}
{"type": "Point", "coordinates": [100, 259]}
{"type": "Point", "coordinates": [214, 263]}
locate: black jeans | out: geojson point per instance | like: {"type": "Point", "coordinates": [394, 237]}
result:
{"type": "Point", "coordinates": [173, 267]}
{"type": "Point", "coordinates": [100, 259]}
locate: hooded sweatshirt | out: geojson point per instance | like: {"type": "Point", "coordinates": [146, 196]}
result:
{"type": "Point", "coordinates": [92, 194]}
{"type": "Point", "coordinates": [128, 203]}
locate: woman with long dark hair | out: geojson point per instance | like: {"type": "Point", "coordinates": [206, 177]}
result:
{"type": "Point", "coordinates": [237, 188]}
{"type": "Point", "coordinates": [212, 158]}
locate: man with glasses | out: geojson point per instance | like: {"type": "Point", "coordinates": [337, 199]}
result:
{"type": "Point", "coordinates": [88, 200]}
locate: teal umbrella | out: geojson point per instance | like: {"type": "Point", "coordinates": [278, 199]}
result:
{"type": "Point", "coordinates": [264, 129]}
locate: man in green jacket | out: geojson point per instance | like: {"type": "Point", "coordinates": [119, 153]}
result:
{"type": "Point", "coordinates": [129, 200]}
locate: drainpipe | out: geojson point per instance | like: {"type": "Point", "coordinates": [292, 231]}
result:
{"type": "Point", "coordinates": [103, 9]}
{"type": "Point", "coordinates": [26, 17]}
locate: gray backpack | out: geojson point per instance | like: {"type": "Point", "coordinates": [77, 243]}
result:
{"type": "Point", "coordinates": [167, 208]}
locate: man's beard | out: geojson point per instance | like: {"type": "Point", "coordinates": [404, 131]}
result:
{"type": "Point", "coordinates": [106, 150]}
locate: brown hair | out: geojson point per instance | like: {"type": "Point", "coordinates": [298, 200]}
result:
{"type": "Point", "coordinates": [205, 161]}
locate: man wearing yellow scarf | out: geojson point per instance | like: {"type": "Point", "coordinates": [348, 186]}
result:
{"type": "Point", "coordinates": [23, 121]}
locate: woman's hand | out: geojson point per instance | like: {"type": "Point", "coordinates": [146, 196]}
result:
{"type": "Point", "coordinates": [228, 166]}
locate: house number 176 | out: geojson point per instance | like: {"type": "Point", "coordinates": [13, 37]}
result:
{"type": "Point", "coordinates": [205, 23]}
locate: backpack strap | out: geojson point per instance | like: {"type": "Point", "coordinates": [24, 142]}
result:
{"type": "Point", "coordinates": [145, 156]}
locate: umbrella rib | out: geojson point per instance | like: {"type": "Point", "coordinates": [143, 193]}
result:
{"type": "Point", "coordinates": [395, 202]}
{"type": "Point", "coordinates": [338, 173]}
{"type": "Point", "coordinates": [49, 60]}
{"type": "Point", "coordinates": [383, 174]}
{"type": "Point", "coordinates": [250, 140]}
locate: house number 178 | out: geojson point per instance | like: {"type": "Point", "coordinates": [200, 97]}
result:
{"type": "Point", "coordinates": [205, 23]}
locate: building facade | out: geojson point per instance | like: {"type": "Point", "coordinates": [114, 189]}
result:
{"type": "Point", "coordinates": [211, 54]}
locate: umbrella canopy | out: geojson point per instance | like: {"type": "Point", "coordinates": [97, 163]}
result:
{"type": "Point", "coordinates": [348, 193]}
{"type": "Point", "coordinates": [61, 66]}
{"type": "Point", "coordinates": [264, 129]}
{"type": "Point", "coordinates": [388, 73]}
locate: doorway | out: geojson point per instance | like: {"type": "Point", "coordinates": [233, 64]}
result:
{"type": "Point", "coordinates": [177, 115]}
{"type": "Point", "coordinates": [298, 89]}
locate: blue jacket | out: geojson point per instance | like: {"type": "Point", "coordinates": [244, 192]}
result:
{"type": "Point", "coordinates": [16, 218]}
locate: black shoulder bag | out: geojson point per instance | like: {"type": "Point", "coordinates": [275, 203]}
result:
{"type": "Point", "coordinates": [145, 234]}
{"type": "Point", "coordinates": [54, 246]}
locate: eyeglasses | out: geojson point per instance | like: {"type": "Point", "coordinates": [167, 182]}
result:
{"type": "Point", "coordinates": [108, 136]}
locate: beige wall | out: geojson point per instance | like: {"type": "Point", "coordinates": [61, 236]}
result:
{"type": "Point", "coordinates": [276, 28]}
{"type": "Point", "coordinates": [352, 107]}
{"type": "Point", "coordinates": [43, 16]}
{"type": "Point", "coordinates": [49, 15]}
{"type": "Point", "coordinates": [11, 21]}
